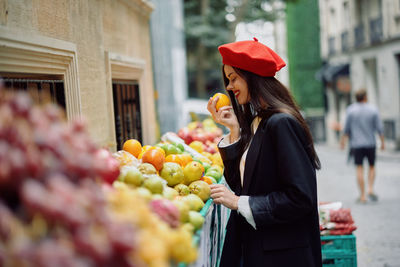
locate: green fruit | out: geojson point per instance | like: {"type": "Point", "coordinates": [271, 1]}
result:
{"type": "Point", "coordinates": [194, 202]}
{"type": "Point", "coordinates": [214, 174]}
{"type": "Point", "coordinates": [214, 169]}
{"type": "Point", "coordinates": [201, 189]}
{"type": "Point", "coordinates": [172, 172]}
{"type": "Point", "coordinates": [133, 176]}
{"type": "Point", "coordinates": [154, 184]}
{"type": "Point", "coordinates": [183, 190]}
{"type": "Point", "coordinates": [213, 180]}
{"type": "Point", "coordinates": [147, 168]}
{"type": "Point", "coordinates": [145, 193]}
{"type": "Point", "coordinates": [180, 146]}
{"type": "Point", "coordinates": [156, 196]}
{"type": "Point", "coordinates": [170, 193]}
{"type": "Point", "coordinates": [183, 208]}
{"type": "Point", "coordinates": [188, 227]}
{"type": "Point", "coordinates": [171, 149]}
{"type": "Point", "coordinates": [206, 166]}
{"type": "Point", "coordinates": [196, 219]}
{"type": "Point", "coordinates": [192, 172]}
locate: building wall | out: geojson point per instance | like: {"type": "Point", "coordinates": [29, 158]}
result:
{"type": "Point", "coordinates": [373, 64]}
{"type": "Point", "coordinates": [95, 29]}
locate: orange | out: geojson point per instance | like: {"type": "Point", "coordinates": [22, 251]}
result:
{"type": "Point", "coordinates": [159, 149]}
{"type": "Point", "coordinates": [222, 101]}
{"type": "Point", "coordinates": [207, 179]}
{"type": "Point", "coordinates": [185, 158]}
{"type": "Point", "coordinates": [174, 158]}
{"type": "Point", "coordinates": [154, 157]}
{"type": "Point", "coordinates": [132, 146]}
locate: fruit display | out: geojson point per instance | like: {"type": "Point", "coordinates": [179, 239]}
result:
{"type": "Point", "coordinates": [66, 202]}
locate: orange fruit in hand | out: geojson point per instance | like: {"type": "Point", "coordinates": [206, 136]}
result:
{"type": "Point", "coordinates": [222, 101]}
{"type": "Point", "coordinates": [132, 146]}
{"type": "Point", "coordinates": [154, 157]}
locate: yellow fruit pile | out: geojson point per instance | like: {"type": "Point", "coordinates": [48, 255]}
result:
{"type": "Point", "coordinates": [158, 243]}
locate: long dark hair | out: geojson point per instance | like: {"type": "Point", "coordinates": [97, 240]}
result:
{"type": "Point", "coordinates": [267, 97]}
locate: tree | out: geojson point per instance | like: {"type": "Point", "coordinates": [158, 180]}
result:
{"type": "Point", "coordinates": [209, 24]}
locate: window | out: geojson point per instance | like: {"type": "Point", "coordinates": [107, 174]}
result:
{"type": "Point", "coordinates": [126, 111]}
{"type": "Point", "coordinates": [42, 88]}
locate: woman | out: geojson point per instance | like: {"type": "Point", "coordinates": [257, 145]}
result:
{"type": "Point", "coordinates": [270, 164]}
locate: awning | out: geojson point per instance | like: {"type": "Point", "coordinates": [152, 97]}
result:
{"type": "Point", "coordinates": [328, 73]}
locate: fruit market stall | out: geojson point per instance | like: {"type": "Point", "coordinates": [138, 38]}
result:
{"type": "Point", "coordinates": [337, 238]}
{"type": "Point", "coordinates": [66, 202]}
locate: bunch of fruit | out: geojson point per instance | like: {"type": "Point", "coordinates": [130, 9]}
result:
{"type": "Point", "coordinates": [57, 205]}
{"type": "Point", "coordinates": [165, 171]}
{"type": "Point", "coordinates": [53, 208]}
{"type": "Point", "coordinates": [173, 184]}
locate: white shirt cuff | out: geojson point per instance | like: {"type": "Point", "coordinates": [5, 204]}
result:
{"type": "Point", "coordinates": [245, 210]}
{"type": "Point", "coordinates": [225, 141]}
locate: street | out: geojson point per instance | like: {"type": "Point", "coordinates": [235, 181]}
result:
{"type": "Point", "coordinates": [378, 233]}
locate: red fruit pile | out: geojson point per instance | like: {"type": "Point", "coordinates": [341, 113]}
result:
{"type": "Point", "coordinates": [167, 211]}
{"type": "Point", "coordinates": [52, 210]}
{"type": "Point", "coordinates": [36, 142]}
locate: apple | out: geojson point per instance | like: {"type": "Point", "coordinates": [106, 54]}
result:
{"type": "Point", "coordinates": [185, 134]}
{"type": "Point", "coordinates": [171, 149]}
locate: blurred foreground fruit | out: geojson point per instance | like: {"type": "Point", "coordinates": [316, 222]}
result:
{"type": "Point", "coordinates": [196, 219]}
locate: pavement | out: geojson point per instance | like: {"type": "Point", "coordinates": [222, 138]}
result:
{"type": "Point", "coordinates": [378, 233]}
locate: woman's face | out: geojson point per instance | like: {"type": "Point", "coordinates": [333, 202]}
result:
{"type": "Point", "coordinates": [237, 85]}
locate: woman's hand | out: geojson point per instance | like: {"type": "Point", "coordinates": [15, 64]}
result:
{"type": "Point", "coordinates": [222, 195]}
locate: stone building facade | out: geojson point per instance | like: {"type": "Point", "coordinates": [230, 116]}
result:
{"type": "Point", "coordinates": [98, 48]}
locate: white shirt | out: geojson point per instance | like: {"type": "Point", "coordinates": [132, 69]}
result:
{"type": "Point", "coordinates": [243, 203]}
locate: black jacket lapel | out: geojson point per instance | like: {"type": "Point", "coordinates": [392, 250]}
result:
{"type": "Point", "coordinates": [252, 156]}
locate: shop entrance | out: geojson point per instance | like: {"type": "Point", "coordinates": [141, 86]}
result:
{"type": "Point", "coordinates": [127, 114]}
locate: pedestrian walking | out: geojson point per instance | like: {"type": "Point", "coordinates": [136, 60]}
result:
{"type": "Point", "coordinates": [362, 124]}
{"type": "Point", "coordinates": [270, 164]}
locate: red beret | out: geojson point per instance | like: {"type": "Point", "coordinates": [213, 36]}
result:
{"type": "Point", "coordinates": [252, 56]}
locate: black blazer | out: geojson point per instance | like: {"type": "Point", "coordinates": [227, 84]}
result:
{"type": "Point", "coordinates": [280, 179]}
